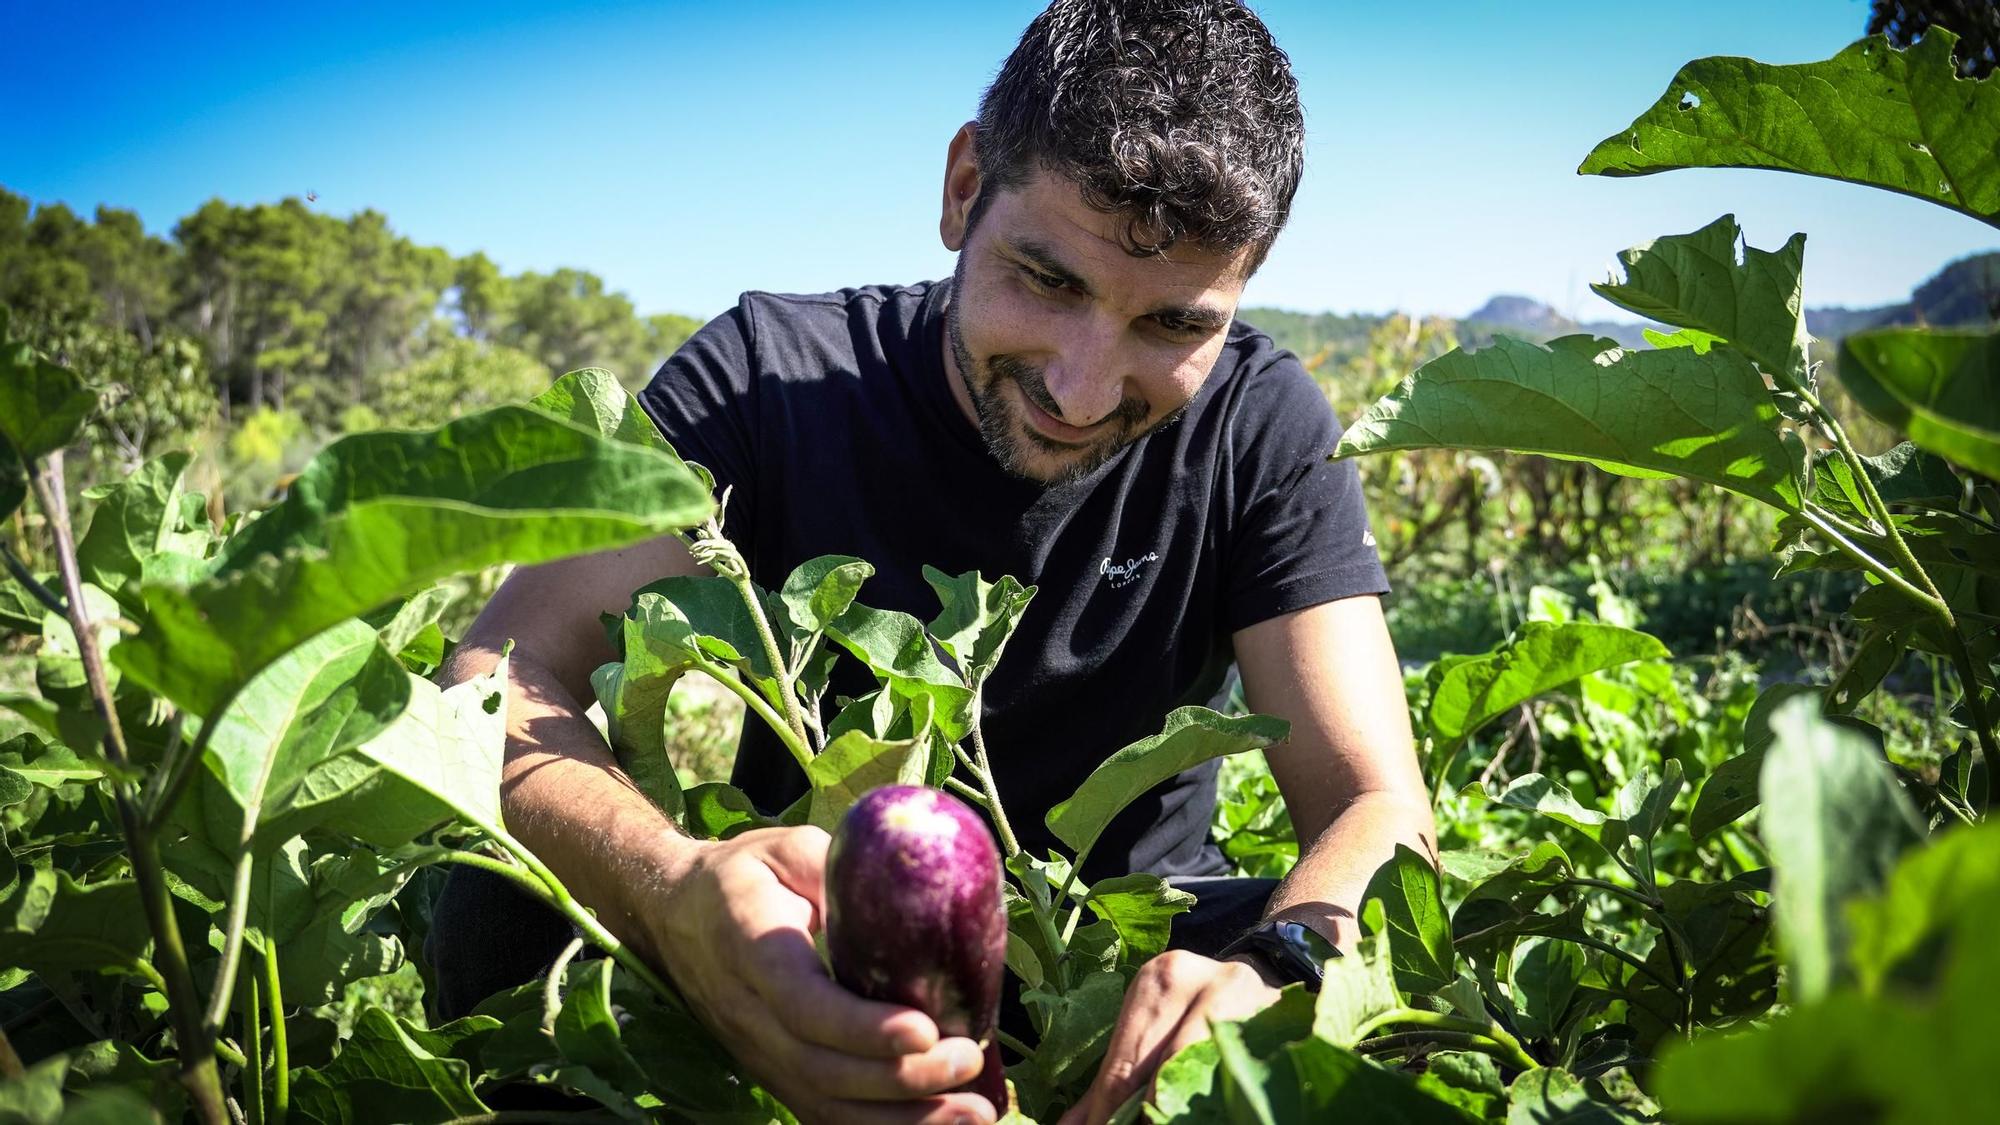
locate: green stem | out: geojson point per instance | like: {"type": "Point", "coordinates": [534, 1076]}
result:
{"type": "Point", "coordinates": [197, 1057]}
{"type": "Point", "coordinates": [281, 1060]}
{"type": "Point", "coordinates": [960, 788]}
{"type": "Point", "coordinates": [232, 940]}
{"type": "Point", "coordinates": [983, 768]}
{"type": "Point", "coordinates": [1404, 1042]}
{"type": "Point", "coordinates": [1062, 896]}
{"type": "Point", "coordinates": [1873, 565]}
{"type": "Point", "coordinates": [227, 1052]}
{"type": "Point", "coordinates": [536, 879]}
{"type": "Point", "coordinates": [794, 720]}
{"type": "Point", "coordinates": [253, 1047]}
{"type": "Point", "coordinates": [1638, 896]}
{"type": "Point", "coordinates": [728, 678]}
{"type": "Point", "coordinates": [1637, 965]}
{"type": "Point", "coordinates": [1877, 506]}
{"type": "Point", "coordinates": [1510, 1048]}
{"type": "Point", "coordinates": [1013, 1044]}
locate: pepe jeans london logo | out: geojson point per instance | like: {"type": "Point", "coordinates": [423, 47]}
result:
{"type": "Point", "coordinates": [1127, 572]}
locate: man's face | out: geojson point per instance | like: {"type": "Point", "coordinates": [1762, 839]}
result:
{"type": "Point", "coordinates": [1065, 347]}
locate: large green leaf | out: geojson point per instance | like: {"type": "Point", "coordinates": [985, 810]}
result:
{"type": "Point", "coordinates": [819, 590]}
{"type": "Point", "coordinates": [1358, 987]}
{"type": "Point", "coordinates": [392, 1070]}
{"type": "Point", "coordinates": [1903, 1056]}
{"type": "Point", "coordinates": [1935, 386]}
{"type": "Point", "coordinates": [1079, 1027]}
{"type": "Point", "coordinates": [1732, 787]}
{"type": "Point", "coordinates": [438, 761]}
{"type": "Point", "coordinates": [977, 618]}
{"type": "Point", "coordinates": [1544, 1095]}
{"type": "Point", "coordinates": [1191, 736]}
{"type": "Point", "coordinates": [1902, 120]}
{"type": "Point", "coordinates": [379, 516]}
{"type": "Point", "coordinates": [134, 520]}
{"type": "Point", "coordinates": [897, 649]}
{"type": "Point", "coordinates": [43, 406]}
{"type": "Point", "coordinates": [1934, 890]}
{"type": "Point", "coordinates": [49, 764]}
{"type": "Point", "coordinates": [1141, 907]}
{"type": "Point", "coordinates": [1835, 836]}
{"type": "Point", "coordinates": [1670, 412]}
{"type": "Point", "coordinates": [593, 398]}
{"type": "Point", "coordinates": [1695, 281]}
{"type": "Point", "coordinates": [1419, 929]}
{"type": "Point", "coordinates": [323, 698]}
{"type": "Point", "coordinates": [1541, 657]}
{"type": "Point", "coordinates": [855, 763]}
{"type": "Point", "coordinates": [51, 923]}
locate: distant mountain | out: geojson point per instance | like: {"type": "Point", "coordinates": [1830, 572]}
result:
{"type": "Point", "coordinates": [1510, 315]}
{"type": "Point", "coordinates": [1965, 293]}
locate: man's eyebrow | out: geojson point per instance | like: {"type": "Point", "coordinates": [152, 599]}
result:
{"type": "Point", "coordinates": [1045, 259]}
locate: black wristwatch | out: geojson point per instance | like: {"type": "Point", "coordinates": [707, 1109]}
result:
{"type": "Point", "coordinates": [1288, 951]}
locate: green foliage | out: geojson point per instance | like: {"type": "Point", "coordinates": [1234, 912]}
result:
{"type": "Point", "coordinates": [1901, 120]}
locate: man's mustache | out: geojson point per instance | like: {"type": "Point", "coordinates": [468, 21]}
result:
{"type": "Point", "coordinates": [1129, 413]}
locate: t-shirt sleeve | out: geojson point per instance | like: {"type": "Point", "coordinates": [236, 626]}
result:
{"type": "Point", "coordinates": [704, 400]}
{"type": "Point", "coordinates": [1299, 531]}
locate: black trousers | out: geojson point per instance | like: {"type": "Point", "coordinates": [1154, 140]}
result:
{"type": "Point", "coordinates": [487, 936]}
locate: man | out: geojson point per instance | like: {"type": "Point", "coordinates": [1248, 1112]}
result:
{"type": "Point", "coordinates": [1076, 408]}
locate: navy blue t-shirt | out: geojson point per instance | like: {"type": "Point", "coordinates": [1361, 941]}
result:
{"type": "Point", "coordinates": [830, 418]}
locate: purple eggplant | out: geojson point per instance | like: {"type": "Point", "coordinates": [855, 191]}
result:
{"type": "Point", "coordinates": [913, 914]}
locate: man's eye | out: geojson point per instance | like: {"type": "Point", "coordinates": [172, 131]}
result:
{"type": "Point", "coordinates": [1041, 280]}
{"type": "Point", "coordinates": [1177, 326]}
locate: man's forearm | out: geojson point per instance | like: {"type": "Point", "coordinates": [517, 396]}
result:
{"type": "Point", "coordinates": [563, 795]}
{"type": "Point", "coordinates": [1325, 889]}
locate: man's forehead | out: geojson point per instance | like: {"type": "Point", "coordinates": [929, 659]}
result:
{"type": "Point", "coordinates": [1047, 222]}
{"type": "Point", "coordinates": [1050, 210]}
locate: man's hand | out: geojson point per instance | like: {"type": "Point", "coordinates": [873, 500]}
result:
{"type": "Point", "coordinates": [734, 926]}
{"type": "Point", "coordinates": [1168, 1007]}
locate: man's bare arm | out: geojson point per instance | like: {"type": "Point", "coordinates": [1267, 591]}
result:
{"type": "Point", "coordinates": [1349, 772]}
{"type": "Point", "coordinates": [557, 764]}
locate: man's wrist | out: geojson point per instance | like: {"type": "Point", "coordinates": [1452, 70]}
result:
{"type": "Point", "coordinates": [1264, 971]}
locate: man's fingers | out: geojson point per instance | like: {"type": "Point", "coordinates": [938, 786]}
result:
{"type": "Point", "coordinates": [797, 856]}
{"type": "Point", "coordinates": [786, 972]}
{"type": "Point", "coordinates": [952, 1062]}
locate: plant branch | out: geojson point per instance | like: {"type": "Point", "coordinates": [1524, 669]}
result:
{"type": "Point", "coordinates": [26, 578]}
{"type": "Point", "coordinates": [1982, 725]}
{"type": "Point", "coordinates": [197, 1058]}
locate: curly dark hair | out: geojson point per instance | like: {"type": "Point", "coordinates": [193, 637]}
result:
{"type": "Point", "coordinates": [1181, 115]}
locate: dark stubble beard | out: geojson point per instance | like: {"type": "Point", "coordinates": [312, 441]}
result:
{"type": "Point", "coordinates": [1009, 437]}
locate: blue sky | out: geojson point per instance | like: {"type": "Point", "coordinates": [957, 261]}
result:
{"type": "Point", "coordinates": [687, 152]}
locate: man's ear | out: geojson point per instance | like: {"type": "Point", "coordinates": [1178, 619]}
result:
{"type": "Point", "coordinates": [961, 187]}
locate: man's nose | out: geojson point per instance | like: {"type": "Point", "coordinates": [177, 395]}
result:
{"type": "Point", "coordinates": [1083, 380]}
